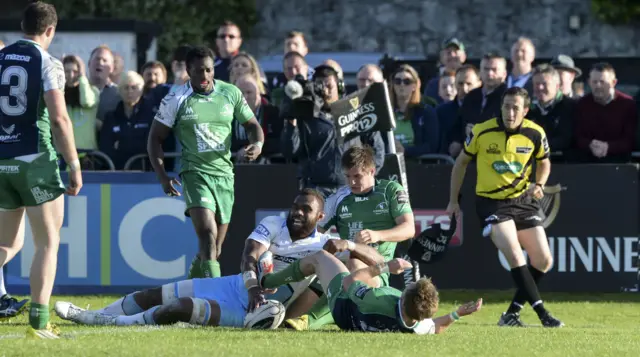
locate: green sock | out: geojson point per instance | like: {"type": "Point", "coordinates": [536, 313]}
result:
{"type": "Point", "coordinates": [38, 316]}
{"type": "Point", "coordinates": [210, 269]}
{"type": "Point", "coordinates": [195, 271]}
{"type": "Point", "coordinates": [320, 314]}
{"type": "Point", "coordinates": [290, 274]}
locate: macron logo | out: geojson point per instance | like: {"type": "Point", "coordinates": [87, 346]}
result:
{"type": "Point", "coordinates": [189, 111]}
{"type": "Point", "coordinates": [345, 209]}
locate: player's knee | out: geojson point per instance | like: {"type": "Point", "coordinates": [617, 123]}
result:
{"type": "Point", "coordinates": [542, 263]}
{"type": "Point", "coordinates": [174, 291]}
{"type": "Point", "coordinates": [200, 312]}
{"type": "Point", "coordinates": [355, 264]}
{"type": "Point", "coordinates": [514, 257]}
{"type": "Point", "coordinates": [206, 232]}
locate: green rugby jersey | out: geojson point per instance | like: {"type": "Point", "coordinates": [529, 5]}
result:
{"type": "Point", "coordinates": [369, 309]}
{"type": "Point", "coordinates": [202, 124]}
{"type": "Point", "coordinates": [376, 210]}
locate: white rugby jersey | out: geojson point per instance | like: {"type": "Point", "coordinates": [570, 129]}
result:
{"type": "Point", "coordinates": [272, 232]}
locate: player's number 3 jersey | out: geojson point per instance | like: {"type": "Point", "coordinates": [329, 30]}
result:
{"type": "Point", "coordinates": [27, 71]}
{"type": "Point", "coordinates": [202, 124]}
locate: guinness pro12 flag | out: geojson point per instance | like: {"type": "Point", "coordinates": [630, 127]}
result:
{"type": "Point", "coordinates": [364, 111]}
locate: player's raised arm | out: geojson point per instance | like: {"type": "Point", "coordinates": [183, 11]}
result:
{"type": "Point", "coordinates": [61, 126]}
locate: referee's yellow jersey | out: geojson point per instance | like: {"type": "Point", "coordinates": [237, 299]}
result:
{"type": "Point", "coordinates": [504, 159]}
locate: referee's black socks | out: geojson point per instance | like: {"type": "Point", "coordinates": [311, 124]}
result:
{"type": "Point", "coordinates": [524, 282]}
{"type": "Point", "coordinates": [520, 297]}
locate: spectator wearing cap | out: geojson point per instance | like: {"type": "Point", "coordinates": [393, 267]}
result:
{"type": "Point", "coordinates": [606, 119]}
{"type": "Point", "coordinates": [523, 52]}
{"type": "Point", "coordinates": [551, 109]}
{"type": "Point", "coordinates": [467, 79]}
{"type": "Point", "coordinates": [228, 42]}
{"type": "Point", "coordinates": [452, 56]}
{"type": "Point", "coordinates": [369, 74]}
{"type": "Point", "coordinates": [568, 73]}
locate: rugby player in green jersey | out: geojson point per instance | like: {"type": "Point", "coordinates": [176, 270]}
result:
{"type": "Point", "coordinates": [33, 115]}
{"type": "Point", "coordinates": [200, 113]}
{"type": "Point", "coordinates": [357, 306]}
{"type": "Point", "coordinates": [368, 211]}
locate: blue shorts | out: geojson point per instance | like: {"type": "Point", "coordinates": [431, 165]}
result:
{"type": "Point", "coordinates": [230, 294]}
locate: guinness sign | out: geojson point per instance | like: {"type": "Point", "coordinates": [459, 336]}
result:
{"type": "Point", "coordinates": [364, 111]}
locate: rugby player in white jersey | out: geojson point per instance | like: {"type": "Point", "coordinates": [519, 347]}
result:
{"type": "Point", "coordinates": [225, 301]}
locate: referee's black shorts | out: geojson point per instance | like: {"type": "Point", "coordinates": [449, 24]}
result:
{"type": "Point", "coordinates": [524, 211]}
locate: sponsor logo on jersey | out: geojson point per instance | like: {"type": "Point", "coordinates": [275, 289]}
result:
{"type": "Point", "coordinates": [362, 291]}
{"type": "Point", "coordinates": [14, 57]}
{"type": "Point", "coordinates": [9, 169]}
{"type": "Point", "coordinates": [189, 114]}
{"type": "Point", "coordinates": [354, 228]}
{"type": "Point", "coordinates": [503, 167]}
{"type": "Point", "coordinates": [344, 212]}
{"type": "Point", "coordinates": [261, 230]}
{"type": "Point", "coordinates": [361, 199]}
{"type": "Point", "coordinates": [10, 136]}
{"type": "Point", "coordinates": [207, 140]}
{"type": "Point", "coordinates": [469, 138]}
{"type": "Point", "coordinates": [41, 196]}
{"type": "Point", "coordinates": [523, 149]}
{"type": "Point", "coordinates": [381, 208]}
{"type": "Point", "coordinates": [402, 197]}
{"type": "Point", "coordinates": [493, 149]}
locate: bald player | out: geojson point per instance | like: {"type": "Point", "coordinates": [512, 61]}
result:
{"type": "Point", "coordinates": [369, 74]}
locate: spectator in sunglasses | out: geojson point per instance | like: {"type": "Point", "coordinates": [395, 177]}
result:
{"type": "Point", "coordinates": [228, 42]}
{"type": "Point", "coordinates": [416, 131]}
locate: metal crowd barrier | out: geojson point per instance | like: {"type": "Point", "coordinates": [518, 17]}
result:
{"type": "Point", "coordinates": [133, 159]}
{"type": "Point", "coordinates": [439, 158]}
{"type": "Point", "coordinates": [91, 153]}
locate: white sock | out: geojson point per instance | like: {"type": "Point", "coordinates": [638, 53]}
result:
{"type": "Point", "coordinates": [3, 290]}
{"type": "Point", "coordinates": [143, 318]}
{"type": "Point", "coordinates": [114, 308]}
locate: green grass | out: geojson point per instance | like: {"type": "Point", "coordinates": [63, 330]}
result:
{"type": "Point", "coordinates": [597, 325]}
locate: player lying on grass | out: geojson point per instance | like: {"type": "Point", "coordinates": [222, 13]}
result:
{"type": "Point", "coordinates": [355, 306]}
{"type": "Point", "coordinates": [225, 301]}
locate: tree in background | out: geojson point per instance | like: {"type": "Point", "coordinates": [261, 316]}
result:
{"type": "Point", "coordinates": [617, 12]}
{"type": "Point", "coordinates": [183, 21]}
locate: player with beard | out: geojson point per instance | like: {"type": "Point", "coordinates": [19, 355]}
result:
{"type": "Point", "coordinates": [200, 114]}
{"type": "Point", "coordinates": [226, 300]}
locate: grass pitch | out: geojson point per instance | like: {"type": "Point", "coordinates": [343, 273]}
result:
{"type": "Point", "coordinates": [597, 325]}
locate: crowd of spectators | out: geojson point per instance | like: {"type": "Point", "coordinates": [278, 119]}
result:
{"type": "Point", "coordinates": [112, 109]}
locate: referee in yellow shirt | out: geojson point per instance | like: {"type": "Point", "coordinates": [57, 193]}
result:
{"type": "Point", "coordinates": [507, 199]}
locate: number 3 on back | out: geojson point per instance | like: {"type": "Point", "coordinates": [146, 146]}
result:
{"type": "Point", "coordinates": [17, 91]}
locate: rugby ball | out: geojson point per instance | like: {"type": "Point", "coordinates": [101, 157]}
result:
{"type": "Point", "coordinates": [266, 317]}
